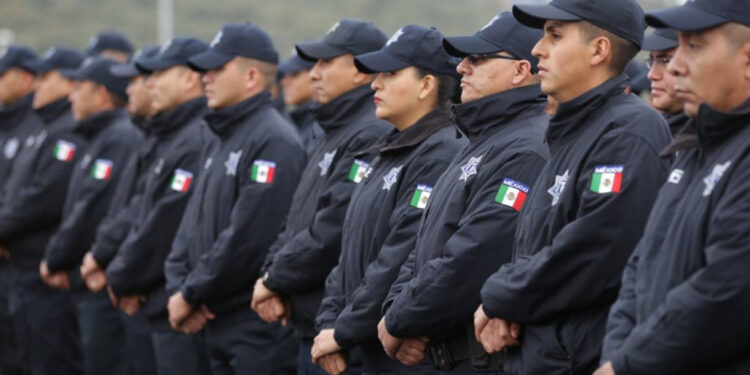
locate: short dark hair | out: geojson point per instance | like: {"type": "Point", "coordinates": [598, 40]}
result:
{"type": "Point", "coordinates": [448, 88]}
{"type": "Point", "coordinates": [623, 50]}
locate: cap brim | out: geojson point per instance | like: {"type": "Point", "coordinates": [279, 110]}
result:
{"type": "Point", "coordinates": [684, 18]}
{"type": "Point", "coordinates": [379, 61]}
{"type": "Point", "coordinates": [313, 51]}
{"type": "Point", "coordinates": [124, 71]}
{"type": "Point", "coordinates": [292, 66]}
{"type": "Point", "coordinates": [208, 60]}
{"type": "Point", "coordinates": [73, 74]}
{"type": "Point", "coordinates": [462, 46]}
{"type": "Point", "coordinates": [653, 42]}
{"type": "Point", "coordinates": [40, 67]}
{"type": "Point", "coordinates": [154, 65]}
{"type": "Point", "coordinates": [534, 16]}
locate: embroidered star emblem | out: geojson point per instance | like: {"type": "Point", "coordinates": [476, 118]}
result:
{"type": "Point", "coordinates": [391, 178]}
{"type": "Point", "coordinates": [556, 190]}
{"type": "Point", "coordinates": [713, 178]}
{"type": "Point", "coordinates": [470, 168]}
{"type": "Point", "coordinates": [232, 161]}
{"type": "Point", "coordinates": [326, 162]}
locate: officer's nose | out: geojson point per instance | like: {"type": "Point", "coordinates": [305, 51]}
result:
{"type": "Point", "coordinates": [315, 71]}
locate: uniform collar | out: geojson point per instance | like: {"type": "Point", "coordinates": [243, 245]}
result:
{"type": "Point", "coordinates": [54, 110]}
{"type": "Point", "coordinates": [303, 113]}
{"type": "Point", "coordinates": [340, 111]}
{"type": "Point", "coordinates": [426, 126]}
{"type": "Point", "coordinates": [223, 121]}
{"type": "Point", "coordinates": [676, 122]}
{"type": "Point", "coordinates": [177, 117]}
{"type": "Point", "coordinates": [571, 115]}
{"type": "Point", "coordinates": [10, 116]}
{"type": "Point", "coordinates": [96, 123]}
{"type": "Point", "coordinates": [713, 126]}
{"type": "Point", "coordinates": [480, 116]}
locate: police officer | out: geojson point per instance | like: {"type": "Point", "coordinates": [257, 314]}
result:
{"type": "Point", "coordinates": [136, 274]}
{"type": "Point", "coordinates": [112, 44]}
{"type": "Point", "coordinates": [121, 213]}
{"type": "Point", "coordinates": [468, 225]}
{"type": "Point", "coordinates": [298, 93]}
{"type": "Point", "coordinates": [661, 46]}
{"type": "Point", "coordinates": [240, 200]}
{"type": "Point", "coordinates": [35, 191]}
{"type": "Point", "coordinates": [586, 211]}
{"type": "Point", "coordinates": [637, 72]}
{"type": "Point", "coordinates": [97, 98]}
{"type": "Point", "coordinates": [414, 87]}
{"type": "Point", "coordinates": [685, 293]}
{"type": "Point", "coordinates": [17, 123]}
{"type": "Point", "coordinates": [308, 248]}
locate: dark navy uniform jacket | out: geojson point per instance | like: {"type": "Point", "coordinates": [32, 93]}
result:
{"type": "Point", "coordinates": [308, 129]}
{"type": "Point", "coordinates": [309, 246]}
{"type": "Point", "coordinates": [581, 223]}
{"type": "Point", "coordinates": [121, 213]}
{"type": "Point", "coordinates": [684, 303]}
{"type": "Point", "coordinates": [112, 139]}
{"type": "Point", "coordinates": [138, 267]}
{"type": "Point", "coordinates": [676, 122]}
{"type": "Point", "coordinates": [37, 186]}
{"type": "Point", "coordinates": [467, 229]}
{"type": "Point", "coordinates": [18, 128]}
{"type": "Point", "coordinates": [380, 230]}
{"type": "Point", "coordinates": [237, 207]}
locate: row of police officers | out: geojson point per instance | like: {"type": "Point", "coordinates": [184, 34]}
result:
{"type": "Point", "coordinates": [497, 203]}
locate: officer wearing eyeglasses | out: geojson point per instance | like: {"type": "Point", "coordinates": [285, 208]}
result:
{"type": "Point", "coordinates": [661, 46]}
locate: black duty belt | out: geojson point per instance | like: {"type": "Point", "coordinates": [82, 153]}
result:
{"type": "Point", "coordinates": [445, 355]}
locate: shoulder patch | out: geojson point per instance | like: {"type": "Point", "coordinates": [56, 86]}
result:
{"type": "Point", "coordinates": [263, 171]}
{"type": "Point", "coordinates": [607, 179]}
{"type": "Point", "coordinates": [512, 193]}
{"type": "Point", "coordinates": [421, 196]}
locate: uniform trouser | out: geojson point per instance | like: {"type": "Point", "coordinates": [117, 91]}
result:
{"type": "Point", "coordinates": [103, 337]}
{"type": "Point", "coordinates": [45, 321]}
{"type": "Point", "coordinates": [285, 354]}
{"type": "Point", "coordinates": [11, 362]}
{"type": "Point", "coordinates": [240, 343]}
{"type": "Point", "coordinates": [306, 367]}
{"type": "Point", "coordinates": [464, 368]}
{"type": "Point", "coordinates": [180, 354]}
{"type": "Point", "coordinates": [140, 347]}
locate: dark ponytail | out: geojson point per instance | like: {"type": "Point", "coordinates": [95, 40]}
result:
{"type": "Point", "coordinates": [449, 88]}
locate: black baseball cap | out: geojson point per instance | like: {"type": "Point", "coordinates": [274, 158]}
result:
{"type": "Point", "coordinates": [236, 39]}
{"type": "Point", "coordinates": [175, 52]}
{"type": "Point", "coordinates": [59, 57]}
{"type": "Point", "coordinates": [697, 15]}
{"type": "Point", "coordinates": [109, 40]}
{"type": "Point", "coordinates": [637, 72]}
{"type": "Point", "coordinates": [97, 69]}
{"type": "Point", "coordinates": [129, 70]}
{"type": "Point", "coordinates": [411, 45]}
{"type": "Point", "coordinates": [348, 36]}
{"type": "Point", "coordinates": [16, 56]}
{"type": "Point", "coordinates": [294, 64]}
{"type": "Point", "coordinates": [624, 18]}
{"type": "Point", "coordinates": [502, 33]}
{"type": "Point", "coordinates": [660, 40]}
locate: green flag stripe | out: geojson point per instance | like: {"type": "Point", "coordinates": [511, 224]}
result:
{"type": "Point", "coordinates": [415, 198]}
{"type": "Point", "coordinates": [596, 182]}
{"type": "Point", "coordinates": [501, 194]}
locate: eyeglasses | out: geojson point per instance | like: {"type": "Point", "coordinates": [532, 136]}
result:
{"type": "Point", "coordinates": [474, 59]}
{"type": "Point", "coordinates": [661, 61]}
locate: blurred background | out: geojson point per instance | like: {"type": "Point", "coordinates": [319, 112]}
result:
{"type": "Point", "coordinates": [43, 23]}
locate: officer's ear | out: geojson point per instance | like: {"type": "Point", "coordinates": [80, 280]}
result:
{"type": "Point", "coordinates": [522, 71]}
{"type": "Point", "coordinates": [600, 49]}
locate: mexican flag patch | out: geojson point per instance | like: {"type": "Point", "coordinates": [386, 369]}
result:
{"type": "Point", "coordinates": [102, 169]}
{"type": "Point", "coordinates": [263, 171]}
{"type": "Point", "coordinates": [181, 180]}
{"type": "Point", "coordinates": [607, 179]}
{"type": "Point", "coordinates": [64, 151]}
{"type": "Point", "coordinates": [358, 171]}
{"type": "Point", "coordinates": [421, 196]}
{"type": "Point", "coordinates": [512, 194]}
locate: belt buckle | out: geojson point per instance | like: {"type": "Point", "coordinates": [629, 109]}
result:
{"type": "Point", "coordinates": [440, 356]}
